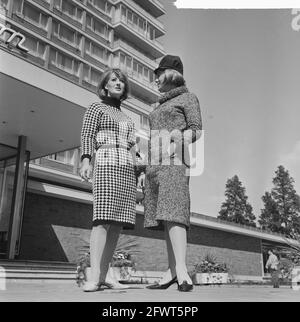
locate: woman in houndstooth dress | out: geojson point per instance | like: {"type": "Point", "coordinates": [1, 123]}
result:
{"type": "Point", "coordinates": [109, 132]}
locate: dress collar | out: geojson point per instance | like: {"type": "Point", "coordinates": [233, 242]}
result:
{"type": "Point", "coordinates": [173, 93]}
{"type": "Point", "coordinates": [111, 101]}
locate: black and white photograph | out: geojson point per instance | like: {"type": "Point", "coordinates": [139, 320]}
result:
{"type": "Point", "coordinates": [149, 154]}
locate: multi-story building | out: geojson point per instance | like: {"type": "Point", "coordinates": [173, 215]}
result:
{"type": "Point", "coordinates": [53, 53]}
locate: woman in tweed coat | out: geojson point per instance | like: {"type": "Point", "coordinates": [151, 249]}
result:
{"type": "Point", "coordinates": [110, 132]}
{"type": "Point", "coordinates": [176, 122]}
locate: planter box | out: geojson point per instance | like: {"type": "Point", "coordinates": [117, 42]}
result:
{"type": "Point", "coordinates": [210, 278]}
{"type": "Point", "coordinates": [296, 278]}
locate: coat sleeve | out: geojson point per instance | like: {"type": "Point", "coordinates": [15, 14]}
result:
{"type": "Point", "coordinates": [193, 129]}
{"type": "Point", "coordinates": [89, 130]}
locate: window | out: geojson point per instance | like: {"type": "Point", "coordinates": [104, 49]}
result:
{"type": "Point", "coordinates": [95, 50]}
{"type": "Point", "coordinates": [122, 60]}
{"type": "Point", "coordinates": [128, 63]}
{"type": "Point", "coordinates": [3, 4]}
{"type": "Point", "coordinates": [18, 6]}
{"type": "Point", "coordinates": [140, 71]}
{"type": "Point", "coordinates": [86, 73]}
{"type": "Point", "coordinates": [141, 25]}
{"type": "Point", "coordinates": [99, 28]}
{"type": "Point", "coordinates": [90, 75]}
{"type": "Point", "coordinates": [100, 4]}
{"type": "Point", "coordinates": [95, 77]}
{"type": "Point", "coordinates": [123, 13]}
{"type": "Point", "coordinates": [35, 46]}
{"type": "Point", "coordinates": [129, 17]}
{"type": "Point", "coordinates": [69, 9]}
{"type": "Point", "coordinates": [146, 73]}
{"type": "Point", "coordinates": [96, 26]}
{"type": "Point", "coordinates": [144, 122]}
{"type": "Point", "coordinates": [65, 34]}
{"type": "Point", "coordinates": [64, 62]}
{"type": "Point", "coordinates": [34, 16]}
{"type": "Point", "coordinates": [67, 157]}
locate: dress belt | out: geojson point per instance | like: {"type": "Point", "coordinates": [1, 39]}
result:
{"type": "Point", "coordinates": [116, 146]}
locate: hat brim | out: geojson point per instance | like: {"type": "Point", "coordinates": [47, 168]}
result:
{"type": "Point", "coordinates": [159, 68]}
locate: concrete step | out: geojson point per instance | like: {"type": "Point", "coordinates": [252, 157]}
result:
{"type": "Point", "coordinates": [44, 265]}
{"type": "Point", "coordinates": [27, 270]}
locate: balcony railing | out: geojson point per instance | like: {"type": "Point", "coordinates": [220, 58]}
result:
{"type": "Point", "coordinates": [95, 61]}
{"type": "Point", "coordinates": [138, 31]}
{"type": "Point", "coordinates": [98, 37]}
{"type": "Point", "coordinates": [60, 71]}
{"type": "Point", "coordinates": [27, 23]}
{"type": "Point", "coordinates": [141, 80]}
{"type": "Point", "coordinates": [139, 103]}
{"type": "Point", "coordinates": [99, 12]}
{"type": "Point", "coordinates": [129, 49]}
{"type": "Point", "coordinates": [43, 3]}
{"type": "Point", "coordinates": [143, 14]}
{"type": "Point", "coordinates": [68, 18]}
{"type": "Point", "coordinates": [71, 47]}
{"type": "Point", "coordinates": [36, 59]}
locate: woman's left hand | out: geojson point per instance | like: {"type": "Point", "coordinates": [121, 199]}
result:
{"type": "Point", "coordinates": [172, 149]}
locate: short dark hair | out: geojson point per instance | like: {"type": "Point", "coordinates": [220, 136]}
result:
{"type": "Point", "coordinates": [102, 92]}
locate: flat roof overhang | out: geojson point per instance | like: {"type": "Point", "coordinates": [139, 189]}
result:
{"type": "Point", "coordinates": [42, 106]}
{"type": "Point", "coordinates": [152, 6]}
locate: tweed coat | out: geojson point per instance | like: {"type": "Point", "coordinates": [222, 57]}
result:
{"type": "Point", "coordinates": [176, 119]}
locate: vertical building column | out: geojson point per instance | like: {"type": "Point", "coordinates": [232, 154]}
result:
{"type": "Point", "coordinates": [10, 8]}
{"type": "Point", "coordinates": [84, 20]}
{"type": "Point", "coordinates": [50, 26]}
{"type": "Point", "coordinates": [80, 73]}
{"type": "Point", "coordinates": [51, 5]}
{"type": "Point", "coordinates": [17, 200]}
{"type": "Point", "coordinates": [76, 161]}
{"type": "Point", "coordinates": [47, 56]}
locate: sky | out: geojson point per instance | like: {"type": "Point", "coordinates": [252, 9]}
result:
{"type": "Point", "coordinates": [244, 66]}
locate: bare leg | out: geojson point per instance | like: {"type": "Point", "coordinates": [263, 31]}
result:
{"type": "Point", "coordinates": [171, 272]}
{"type": "Point", "coordinates": [178, 238]}
{"type": "Point", "coordinates": [113, 234]}
{"type": "Point", "coordinates": [97, 245]}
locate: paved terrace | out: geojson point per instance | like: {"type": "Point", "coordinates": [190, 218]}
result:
{"type": "Point", "coordinates": [68, 291]}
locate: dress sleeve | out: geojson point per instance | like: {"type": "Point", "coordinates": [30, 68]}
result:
{"type": "Point", "coordinates": [89, 130]}
{"type": "Point", "coordinates": [193, 129]}
{"type": "Point", "coordinates": [131, 136]}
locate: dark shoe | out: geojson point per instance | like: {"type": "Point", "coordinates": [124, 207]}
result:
{"type": "Point", "coordinates": [158, 286]}
{"type": "Point", "coordinates": [185, 287]}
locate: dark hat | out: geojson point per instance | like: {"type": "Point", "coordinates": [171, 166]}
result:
{"type": "Point", "coordinates": [170, 62]}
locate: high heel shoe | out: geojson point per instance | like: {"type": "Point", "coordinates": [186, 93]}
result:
{"type": "Point", "coordinates": [185, 287]}
{"type": "Point", "coordinates": [90, 287]}
{"type": "Point", "coordinates": [158, 286]}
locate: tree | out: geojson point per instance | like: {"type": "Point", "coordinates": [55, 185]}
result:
{"type": "Point", "coordinates": [281, 212]}
{"type": "Point", "coordinates": [236, 208]}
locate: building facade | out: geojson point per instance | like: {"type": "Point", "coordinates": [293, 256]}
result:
{"type": "Point", "coordinates": [53, 53]}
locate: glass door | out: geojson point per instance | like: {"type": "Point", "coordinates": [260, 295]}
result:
{"type": "Point", "coordinates": [12, 197]}
{"type": "Point", "coordinates": [7, 174]}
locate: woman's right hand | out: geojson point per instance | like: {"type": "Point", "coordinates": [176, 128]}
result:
{"type": "Point", "coordinates": [85, 170]}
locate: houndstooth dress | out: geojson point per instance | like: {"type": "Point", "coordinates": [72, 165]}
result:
{"type": "Point", "coordinates": [110, 133]}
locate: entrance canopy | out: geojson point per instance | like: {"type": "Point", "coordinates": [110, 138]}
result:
{"type": "Point", "coordinates": [39, 105]}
